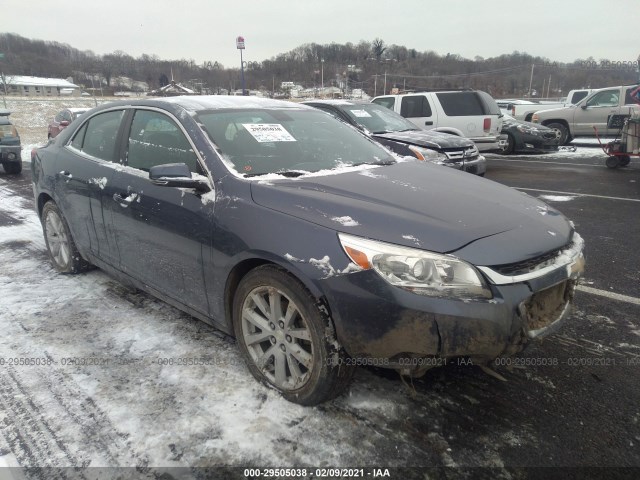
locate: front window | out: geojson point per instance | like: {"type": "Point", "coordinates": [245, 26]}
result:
{"type": "Point", "coordinates": [155, 139]}
{"type": "Point", "coordinates": [387, 102]}
{"type": "Point", "coordinates": [288, 142]}
{"type": "Point", "coordinates": [377, 119]}
{"type": "Point", "coordinates": [606, 98]}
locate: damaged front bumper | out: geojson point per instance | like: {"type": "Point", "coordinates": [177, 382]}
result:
{"type": "Point", "coordinates": [396, 327]}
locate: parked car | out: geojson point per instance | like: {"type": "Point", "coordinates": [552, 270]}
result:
{"type": "Point", "coordinates": [302, 237]}
{"type": "Point", "coordinates": [63, 119]}
{"type": "Point", "coordinates": [10, 148]}
{"type": "Point", "coordinates": [403, 137]}
{"type": "Point", "coordinates": [595, 110]}
{"type": "Point", "coordinates": [528, 137]}
{"type": "Point", "coordinates": [467, 113]}
{"type": "Point", "coordinates": [524, 109]}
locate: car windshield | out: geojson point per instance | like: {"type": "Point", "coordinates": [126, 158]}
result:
{"type": "Point", "coordinates": [377, 119]}
{"type": "Point", "coordinates": [262, 141]}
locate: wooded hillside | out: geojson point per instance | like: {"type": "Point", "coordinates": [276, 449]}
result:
{"type": "Point", "coordinates": [367, 65]}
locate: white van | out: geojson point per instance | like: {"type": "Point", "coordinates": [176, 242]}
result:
{"type": "Point", "coordinates": [467, 113]}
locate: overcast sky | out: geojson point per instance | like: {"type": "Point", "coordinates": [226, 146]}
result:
{"type": "Point", "coordinates": [205, 30]}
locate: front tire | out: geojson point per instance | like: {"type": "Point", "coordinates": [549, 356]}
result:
{"type": "Point", "coordinates": [12, 168]}
{"type": "Point", "coordinates": [287, 342]}
{"type": "Point", "coordinates": [511, 145]}
{"type": "Point", "coordinates": [562, 132]}
{"type": "Point", "coordinates": [62, 250]}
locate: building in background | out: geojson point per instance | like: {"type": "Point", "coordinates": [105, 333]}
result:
{"type": "Point", "coordinates": [20, 85]}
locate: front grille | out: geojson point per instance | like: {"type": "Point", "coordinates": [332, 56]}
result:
{"type": "Point", "coordinates": [528, 266]}
{"type": "Point", "coordinates": [459, 155]}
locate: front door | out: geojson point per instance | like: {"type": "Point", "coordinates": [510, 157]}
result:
{"type": "Point", "coordinates": [595, 112]}
{"type": "Point", "coordinates": [163, 234]}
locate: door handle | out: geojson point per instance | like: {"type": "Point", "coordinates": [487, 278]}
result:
{"type": "Point", "coordinates": [429, 122]}
{"type": "Point", "coordinates": [124, 202]}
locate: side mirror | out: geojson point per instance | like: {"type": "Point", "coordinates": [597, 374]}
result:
{"type": "Point", "coordinates": [177, 175]}
{"type": "Point", "coordinates": [584, 107]}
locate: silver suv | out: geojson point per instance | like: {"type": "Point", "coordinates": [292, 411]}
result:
{"type": "Point", "coordinates": [467, 113]}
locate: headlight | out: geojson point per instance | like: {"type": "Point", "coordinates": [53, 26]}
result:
{"type": "Point", "coordinates": [419, 271]}
{"type": "Point", "coordinates": [428, 155]}
{"type": "Point", "coordinates": [527, 129]}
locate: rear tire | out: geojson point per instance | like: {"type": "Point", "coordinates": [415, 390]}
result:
{"type": "Point", "coordinates": [562, 132]}
{"type": "Point", "coordinates": [12, 168]}
{"type": "Point", "coordinates": [287, 342]}
{"type": "Point", "coordinates": [624, 160]}
{"type": "Point", "coordinates": [62, 250]}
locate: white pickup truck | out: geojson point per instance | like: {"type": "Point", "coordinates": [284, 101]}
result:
{"type": "Point", "coordinates": [604, 109]}
{"type": "Point", "coordinates": [524, 109]}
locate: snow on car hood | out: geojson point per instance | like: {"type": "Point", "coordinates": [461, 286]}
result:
{"type": "Point", "coordinates": [428, 138]}
{"type": "Point", "coordinates": [426, 206]}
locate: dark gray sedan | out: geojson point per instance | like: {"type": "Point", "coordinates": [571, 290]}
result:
{"type": "Point", "coordinates": [311, 244]}
{"type": "Point", "coordinates": [402, 137]}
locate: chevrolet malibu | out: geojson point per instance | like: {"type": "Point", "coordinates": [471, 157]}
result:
{"type": "Point", "coordinates": [306, 240]}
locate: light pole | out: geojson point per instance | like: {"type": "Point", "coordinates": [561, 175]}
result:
{"type": "Point", "coordinates": [322, 76]}
{"type": "Point", "coordinates": [240, 46]}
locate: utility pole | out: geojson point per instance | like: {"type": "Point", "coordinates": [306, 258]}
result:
{"type": "Point", "coordinates": [531, 79]}
{"type": "Point", "coordinates": [385, 82]}
{"type": "Point", "coordinates": [4, 84]}
{"type": "Point", "coordinates": [322, 77]}
{"type": "Point", "coordinates": [375, 85]}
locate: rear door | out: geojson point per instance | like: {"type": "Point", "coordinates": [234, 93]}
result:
{"type": "Point", "coordinates": [418, 110]}
{"type": "Point", "coordinates": [84, 171]}
{"type": "Point", "coordinates": [163, 234]}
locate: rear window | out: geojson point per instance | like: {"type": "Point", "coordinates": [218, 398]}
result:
{"type": "Point", "coordinates": [577, 96]}
{"type": "Point", "coordinates": [491, 107]}
{"type": "Point", "coordinates": [461, 104]}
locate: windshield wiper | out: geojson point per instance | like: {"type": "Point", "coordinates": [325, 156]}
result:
{"type": "Point", "coordinates": [377, 162]}
{"type": "Point", "coordinates": [286, 173]}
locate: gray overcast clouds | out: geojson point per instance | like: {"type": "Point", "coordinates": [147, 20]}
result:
{"type": "Point", "coordinates": [205, 30]}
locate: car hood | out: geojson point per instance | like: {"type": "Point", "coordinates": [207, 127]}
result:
{"type": "Point", "coordinates": [421, 205]}
{"type": "Point", "coordinates": [427, 138]}
{"type": "Point", "coordinates": [514, 123]}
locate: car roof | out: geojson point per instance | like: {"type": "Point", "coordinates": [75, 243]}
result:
{"type": "Point", "coordinates": [338, 102]}
{"type": "Point", "coordinates": [196, 103]}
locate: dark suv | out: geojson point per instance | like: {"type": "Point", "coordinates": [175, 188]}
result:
{"type": "Point", "coordinates": [9, 144]}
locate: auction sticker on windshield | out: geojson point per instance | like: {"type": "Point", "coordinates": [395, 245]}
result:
{"type": "Point", "coordinates": [268, 132]}
{"type": "Point", "coordinates": [360, 113]}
